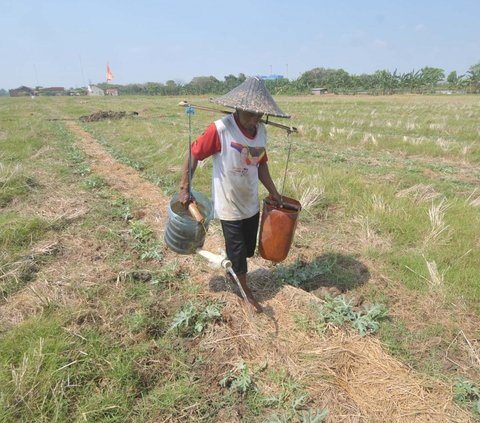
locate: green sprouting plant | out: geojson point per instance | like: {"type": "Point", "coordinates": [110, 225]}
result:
{"type": "Point", "coordinates": [78, 159]}
{"type": "Point", "coordinates": [141, 232]}
{"type": "Point", "coordinates": [339, 310]}
{"type": "Point", "coordinates": [122, 209]}
{"type": "Point", "coordinates": [313, 416]}
{"type": "Point", "coordinates": [467, 393]}
{"type": "Point", "coordinates": [310, 416]}
{"type": "Point", "coordinates": [184, 318]}
{"type": "Point", "coordinates": [193, 318]}
{"type": "Point", "coordinates": [368, 319]}
{"type": "Point", "coordinates": [336, 310]}
{"type": "Point", "coordinates": [301, 272]}
{"type": "Point", "coordinates": [211, 313]}
{"type": "Point", "coordinates": [94, 182]}
{"type": "Point", "coordinates": [240, 378]}
{"type": "Point", "coordinates": [146, 243]}
{"type": "Point", "coordinates": [171, 272]}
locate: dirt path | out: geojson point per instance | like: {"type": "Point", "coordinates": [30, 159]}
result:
{"type": "Point", "coordinates": [351, 376]}
{"type": "Point", "coordinates": [130, 184]}
{"type": "Point", "coordinates": [124, 179]}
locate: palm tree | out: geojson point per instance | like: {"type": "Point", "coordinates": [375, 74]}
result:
{"type": "Point", "coordinates": [473, 78]}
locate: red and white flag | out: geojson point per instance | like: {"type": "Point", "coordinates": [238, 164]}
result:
{"type": "Point", "coordinates": [109, 73]}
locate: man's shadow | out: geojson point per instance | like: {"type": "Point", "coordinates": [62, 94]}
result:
{"type": "Point", "coordinates": [328, 271]}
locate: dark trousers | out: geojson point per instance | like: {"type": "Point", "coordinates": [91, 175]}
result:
{"type": "Point", "coordinates": [240, 241]}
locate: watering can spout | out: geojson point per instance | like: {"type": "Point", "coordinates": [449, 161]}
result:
{"type": "Point", "coordinates": [215, 260]}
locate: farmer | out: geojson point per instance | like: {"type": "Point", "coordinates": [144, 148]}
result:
{"type": "Point", "coordinates": [237, 144]}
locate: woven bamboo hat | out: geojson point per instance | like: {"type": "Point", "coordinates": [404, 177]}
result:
{"type": "Point", "coordinates": [251, 96]}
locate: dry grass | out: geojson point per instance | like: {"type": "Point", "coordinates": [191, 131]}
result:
{"type": "Point", "coordinates": [368, 236]}
{"type": "Point", "coordinates": [436, 214]}
{"type": "Point", "coordinates": [436, 280]}
{"type": "Point", "coordinates": [78, 261]}
{"type": "Point", "coordinates": [471, 349]}
{"type": "Point", "coordinates": [308, 194]}
{"type": "Point", "coordinates": [474, 199]}
{"type": "Point", "coordinates": [378, 203]}
{"type": "Point", "coordinates": [418, 193]}
{"type": "Point", "coordinates": [353, 377]}
{"type": "Point", "coordinates": [8, 172]}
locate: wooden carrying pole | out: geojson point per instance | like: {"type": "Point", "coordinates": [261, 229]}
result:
{"type": "Point", "coordinates": [289, 129]}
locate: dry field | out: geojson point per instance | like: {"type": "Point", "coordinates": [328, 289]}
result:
{"type": "Point", "coordinates": [373, 317]}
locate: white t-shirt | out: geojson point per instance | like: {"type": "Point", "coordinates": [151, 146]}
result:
{"type": "Point", "coordinates": [236, 157]}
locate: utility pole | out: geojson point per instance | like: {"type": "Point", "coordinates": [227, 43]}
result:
{"type": "Point", "coordinates": [36, 74]}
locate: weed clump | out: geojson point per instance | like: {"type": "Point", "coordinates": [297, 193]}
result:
{"type": "Point", "coordinates": [467, 393]}
{"type": "Point", "coordinates": [300, 274]}
{"type": "Point", "coordinates": [146, 243]}
{"type": "Point", "coordinates": [239, 379]}
{"type": "Point", "coordinates": [193, 318]}
{"type": "Point", "coordinates": [339, 311]}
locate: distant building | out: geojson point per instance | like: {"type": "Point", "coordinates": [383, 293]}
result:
{"type": "Point", "coordinates": [22, 91]}
{"type": "Point", "coordinates": [50, 91]}
{"type": "Point", "coordinates": [318, 91]}
{"type": "Point", "coordinates": [77, 91]}
{"type": "Point", "coordinates": [111, 91]}
{"type": "Point", "coordinates": [93, 90]}
{"type": "Point", "coordinates": [270, 77]}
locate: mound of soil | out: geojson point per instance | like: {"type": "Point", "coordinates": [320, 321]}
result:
{"type": "Point", "coordinates": [106, 114]}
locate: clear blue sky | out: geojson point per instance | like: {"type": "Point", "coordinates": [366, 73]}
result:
{"type": "Point", "coordinates": [69, 42]}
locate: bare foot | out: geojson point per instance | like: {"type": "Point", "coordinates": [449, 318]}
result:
{"type": "Point", "coordinates": [252, 302]}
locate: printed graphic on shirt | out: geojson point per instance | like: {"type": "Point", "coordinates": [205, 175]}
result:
{"type": "Point", "coordinates": [250, 156]}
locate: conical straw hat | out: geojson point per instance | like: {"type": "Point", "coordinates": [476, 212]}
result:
{"type": "Point", "coordinates": [251, 96]}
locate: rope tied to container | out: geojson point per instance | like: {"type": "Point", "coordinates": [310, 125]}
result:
{"type": "Point", "coordinates": [288, 160]}
{"type": "Point", "coordinates": [192, 204]}
{"type": "Point", "coordinates": [190, 111]}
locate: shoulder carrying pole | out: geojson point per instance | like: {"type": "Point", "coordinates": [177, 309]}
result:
{"type": "Point", "coordinates": [289, 129]}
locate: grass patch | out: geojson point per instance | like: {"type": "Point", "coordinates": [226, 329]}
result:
{"type": "Point", "coordinates": [18, 232]}
{"type": "Point", "coordinates": [14, 183]}
{"type": "Point", "coordinates": [34, 385]}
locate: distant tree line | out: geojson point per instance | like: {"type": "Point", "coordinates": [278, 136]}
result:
{"type": "Point", "coordinates": [381, 82]}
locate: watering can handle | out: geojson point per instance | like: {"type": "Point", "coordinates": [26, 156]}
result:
{"type": "Point", "coordinates": [287, 206]}
{"type": "Point", "coordinates": [195, 212]}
